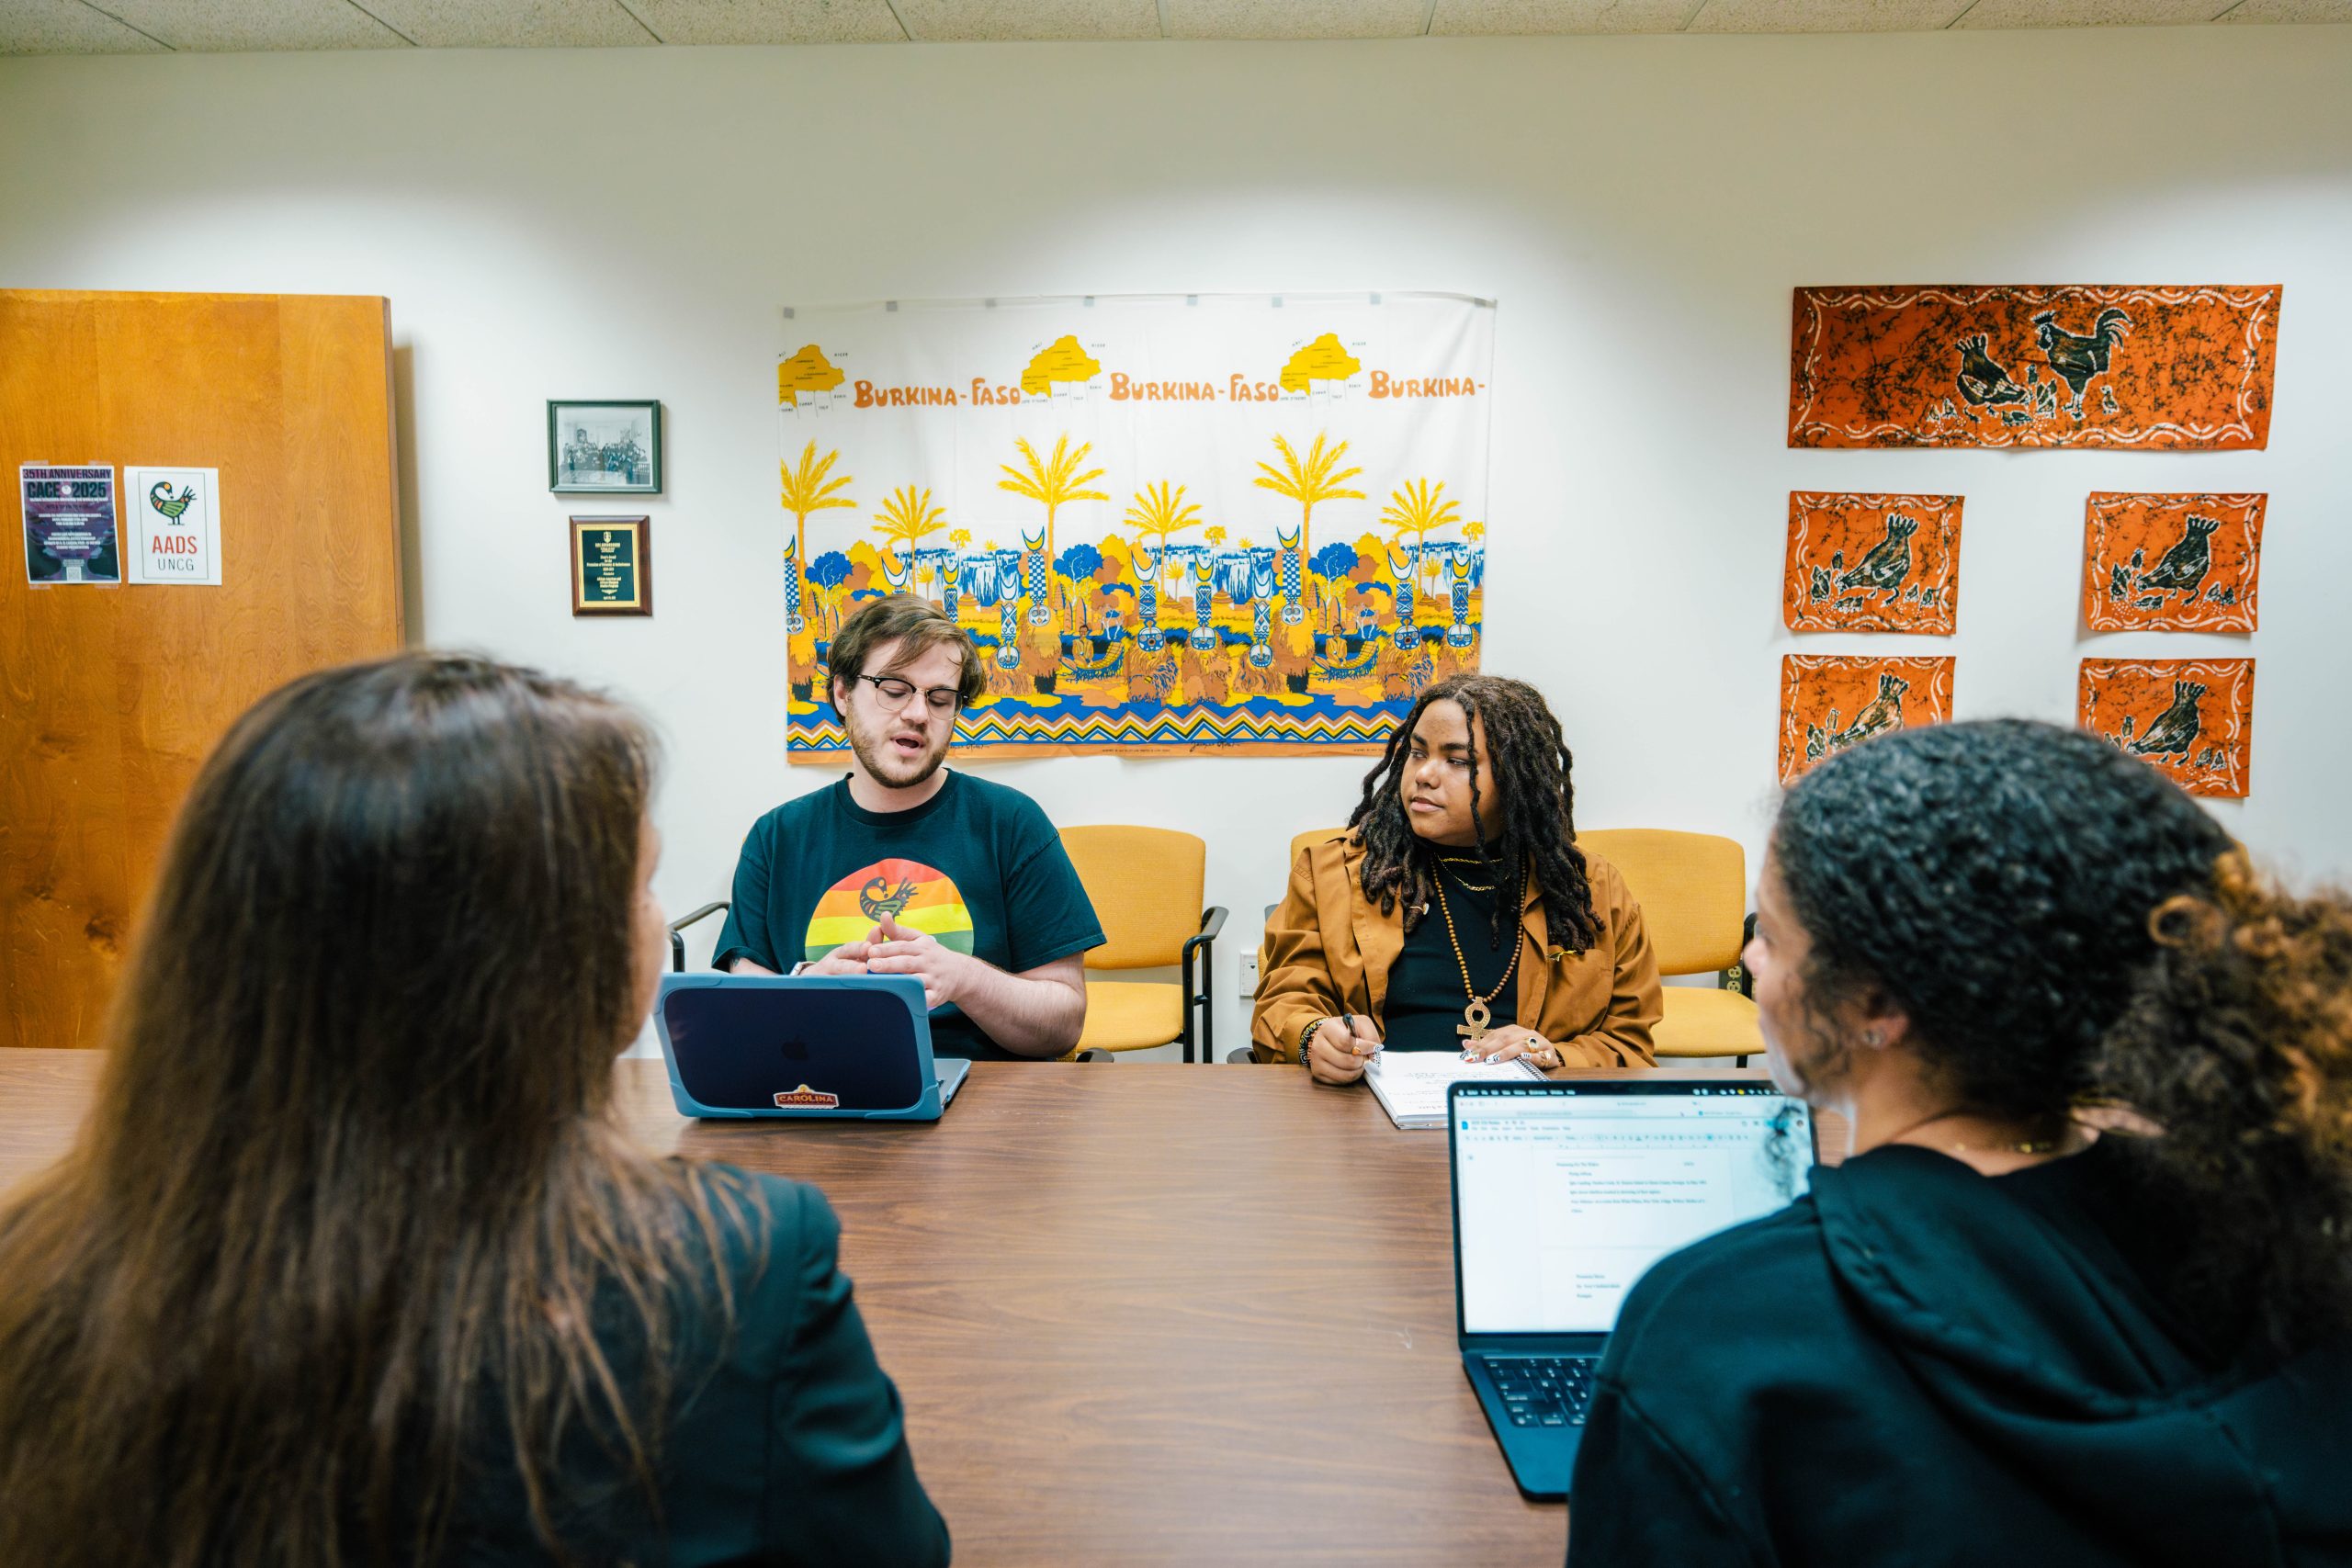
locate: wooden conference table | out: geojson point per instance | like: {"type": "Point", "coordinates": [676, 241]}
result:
{"type": "Point", "coordinates": [1139, 1313]}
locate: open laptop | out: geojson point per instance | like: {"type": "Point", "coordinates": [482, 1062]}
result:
{"type": "Point", "coordinates": [1564, 1193]}
{"type": "Point", "coordinates": [802, 1047]}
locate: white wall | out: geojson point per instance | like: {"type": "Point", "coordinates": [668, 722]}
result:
{"type": "Point", "coordinates": [625, 223]}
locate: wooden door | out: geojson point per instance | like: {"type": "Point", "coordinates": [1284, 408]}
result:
{"type": "Point", "coordinates": [110, 696]}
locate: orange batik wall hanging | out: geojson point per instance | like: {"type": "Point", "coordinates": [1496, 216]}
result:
{"type": "Point", "coordinates": [1829, 702]}
{"type": "Point", "coordinates": [2033, 365]}
{"type": "Point", "coordinates": [1871, 563]}
{"type": "Point", "coordinates": [2191, 719]}
{"type": "Point", "coordinates": [2174, 563]}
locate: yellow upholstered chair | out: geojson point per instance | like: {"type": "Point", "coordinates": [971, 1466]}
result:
{"type": "Point", "coordinates": [1297, 843]}
{"type": "Point", "coordinates": [1692, 888]}
{"type": "Point", "coordinates": [1146, 886]}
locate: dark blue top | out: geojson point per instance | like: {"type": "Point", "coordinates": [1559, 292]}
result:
{"type": "Point", "coordinates": [784, 1442]}
{"type": "Point", "coordinates": [978, 865]}
{"type": "Point", "coordinates": [1916, 1364]}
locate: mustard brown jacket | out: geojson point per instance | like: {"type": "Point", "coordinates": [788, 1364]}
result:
{"type": "Point", "coordinates": [1328, 951]}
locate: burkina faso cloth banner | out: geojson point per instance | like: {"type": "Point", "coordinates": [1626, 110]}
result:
{"type": "Point", "coordinates": [1186, 522]}
{"type": "Point", "coordinates": [2067, 365]}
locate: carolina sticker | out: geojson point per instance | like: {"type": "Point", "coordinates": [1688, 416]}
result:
{"type": "Point", "coordinates": [2171, 563]}
{"type": "Point", "coordinates": [2192, 719]}
{"type": "Point", "coordinates": [805, 1097]}
{"type": "Point", "coordinates": [1871, 563]}
{"type": "Point", "coordinates": [1829, 702]}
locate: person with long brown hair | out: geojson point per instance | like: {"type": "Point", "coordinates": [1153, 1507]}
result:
{"type": "Point", "coordinates": [353, 1261]}
{"type": "Point", "coordinates": [1457, 910]}
{"type": "Point", "coordinates": [2081, 1292]}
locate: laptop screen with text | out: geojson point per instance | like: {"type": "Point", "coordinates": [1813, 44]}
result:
{"type": "Point", "coordinates": [1564, 1194]}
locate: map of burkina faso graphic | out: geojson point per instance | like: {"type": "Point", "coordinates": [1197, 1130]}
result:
{"type": "Point", "coordinates": [807, 371]}
{"type": "Point", "coordinates": [916, 896]}
{"type": "Point", "coordinates": [1322, 360]}
{"type": "Point", "coordinates": [1061, 360]}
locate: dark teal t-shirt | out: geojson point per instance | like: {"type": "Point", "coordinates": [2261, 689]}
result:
{"type": "Point", "coordinates": [978, 865]}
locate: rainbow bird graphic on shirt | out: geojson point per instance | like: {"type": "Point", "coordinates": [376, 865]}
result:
{"type": "Point", "coordinates": [914, 894]}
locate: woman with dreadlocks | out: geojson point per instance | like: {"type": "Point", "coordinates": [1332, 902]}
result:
{"type": "Point", "coordinates": [1456, 913]}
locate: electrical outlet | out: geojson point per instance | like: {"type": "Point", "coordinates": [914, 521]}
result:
{"type": "Point", "coordinates": [1248, 974]}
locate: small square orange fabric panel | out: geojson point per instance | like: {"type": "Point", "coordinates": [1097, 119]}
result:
{"type": "Point", "coordinates": [2192, 719]}
{"type": "Point", "coordinates": [2042, 364]}
{"type": "Point", "coordinates": [1829, 702]}
{"type": "Point", "coordinates": [2171, 563]}
{"type": "Point", "coordinates": [1871, 563]}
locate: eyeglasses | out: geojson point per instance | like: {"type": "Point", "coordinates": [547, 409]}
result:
{"type": "Point", "coordinates": [895, 692]}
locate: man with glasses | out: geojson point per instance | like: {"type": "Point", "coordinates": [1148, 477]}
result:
{"type": "Point", "coordinates": [905, 868]}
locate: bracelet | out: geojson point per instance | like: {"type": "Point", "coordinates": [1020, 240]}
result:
{"type": "Point", "coordinates": [1306, 1058]}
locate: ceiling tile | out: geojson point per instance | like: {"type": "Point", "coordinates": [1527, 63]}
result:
{"type": "Point", "coordinates": [769, 22]}
{"type": "Point", "coordinates": [228, 27]}
{"type": "Point", "coordinates": [513, 24]}
{"type": "Point", "coordinates": [998, 21]}
{"type": "Point", "coordinates": [1825, 16]}
{"type": "Point", "coordinates": [66, 26]}
{"type": "Point", "coordinates": [2089, 13]}
{"type": "Point", "coordinates": [1502, 16]}
{"type": "Point", "coordinates": [1297, 19]}
{"type": "Point", "coordinates": [2292, 11]}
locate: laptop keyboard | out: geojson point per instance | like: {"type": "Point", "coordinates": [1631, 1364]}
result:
{"type": "Point", "coordinates": [1543, 1391]}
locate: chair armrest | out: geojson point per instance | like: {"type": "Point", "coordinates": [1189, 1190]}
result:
{"type": "Point", "coordinates": [1738, 977]}
{"type": "Point", "coordinates": [1198, 982]}
{"type": "Point", "coordinates": [678, 943]}
{"type": "Point", "coordinates": [1212, 922]}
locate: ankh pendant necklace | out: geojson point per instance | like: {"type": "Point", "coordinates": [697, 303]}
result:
{"type": "Point", "coordinates": [1478, 1014]}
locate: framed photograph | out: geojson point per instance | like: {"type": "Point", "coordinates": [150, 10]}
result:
{"type": "Point", "coordinates": [612, 566]}
{"type": "Point", "coordinates": [604, 448]}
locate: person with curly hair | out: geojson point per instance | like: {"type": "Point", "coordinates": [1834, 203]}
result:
{"type": "Point", "coordinates": [1456, 910]}
{"type": "Point", "coordinates": [2081, 1292]}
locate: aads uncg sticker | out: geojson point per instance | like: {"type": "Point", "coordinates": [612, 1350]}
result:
{"type": "Point", "coordinates": [807, 1098]}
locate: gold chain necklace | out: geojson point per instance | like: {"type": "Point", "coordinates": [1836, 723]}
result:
{"type": "Point", "coordinates": [1478, 1015]}
{"type": "Point", "coordinates": [1466, 885]}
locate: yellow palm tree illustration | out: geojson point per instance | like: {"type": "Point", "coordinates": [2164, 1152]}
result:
{"type": "Point", "coordinates": [1052, 481]}
{"type": "Point", "coordinates": [1419, 508]}
{"type": "Point", "coordinates": [1157, 511]}
{"type": "Point", "coordinates": [907, 517]}
{"type": "Point", "coordinates": [1308, 480]}
{"type": "Point", "coordinates": [1215, 535]}
{"type": "Point", "coordinates": [808, 489]}
{"type": "Point", "coordinates": [1160, 510]}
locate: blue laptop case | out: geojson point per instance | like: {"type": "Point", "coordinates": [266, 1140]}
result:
{"type": "Point", "coordinates": [799, 1047]}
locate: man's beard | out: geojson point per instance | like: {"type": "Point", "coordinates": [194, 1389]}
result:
{"type": "Point", "coordinates": [882, 761]}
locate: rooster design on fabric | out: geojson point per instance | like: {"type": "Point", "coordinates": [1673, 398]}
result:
{"type": "Point", "coordinates": [2075, 358]}
{"type": "Point", "coordinates": [1884, 711]}
{"type": "Point", "coordinates": [2184, 566]}
{"type": "Point", "coordinates": [161, 498]}
{"type": "Point", "coordinates": [1982, 380]}
{"type": "Point", "coordinates": [1886, 565]}
{"type": "Point", "coordinates": [2172, 732]}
